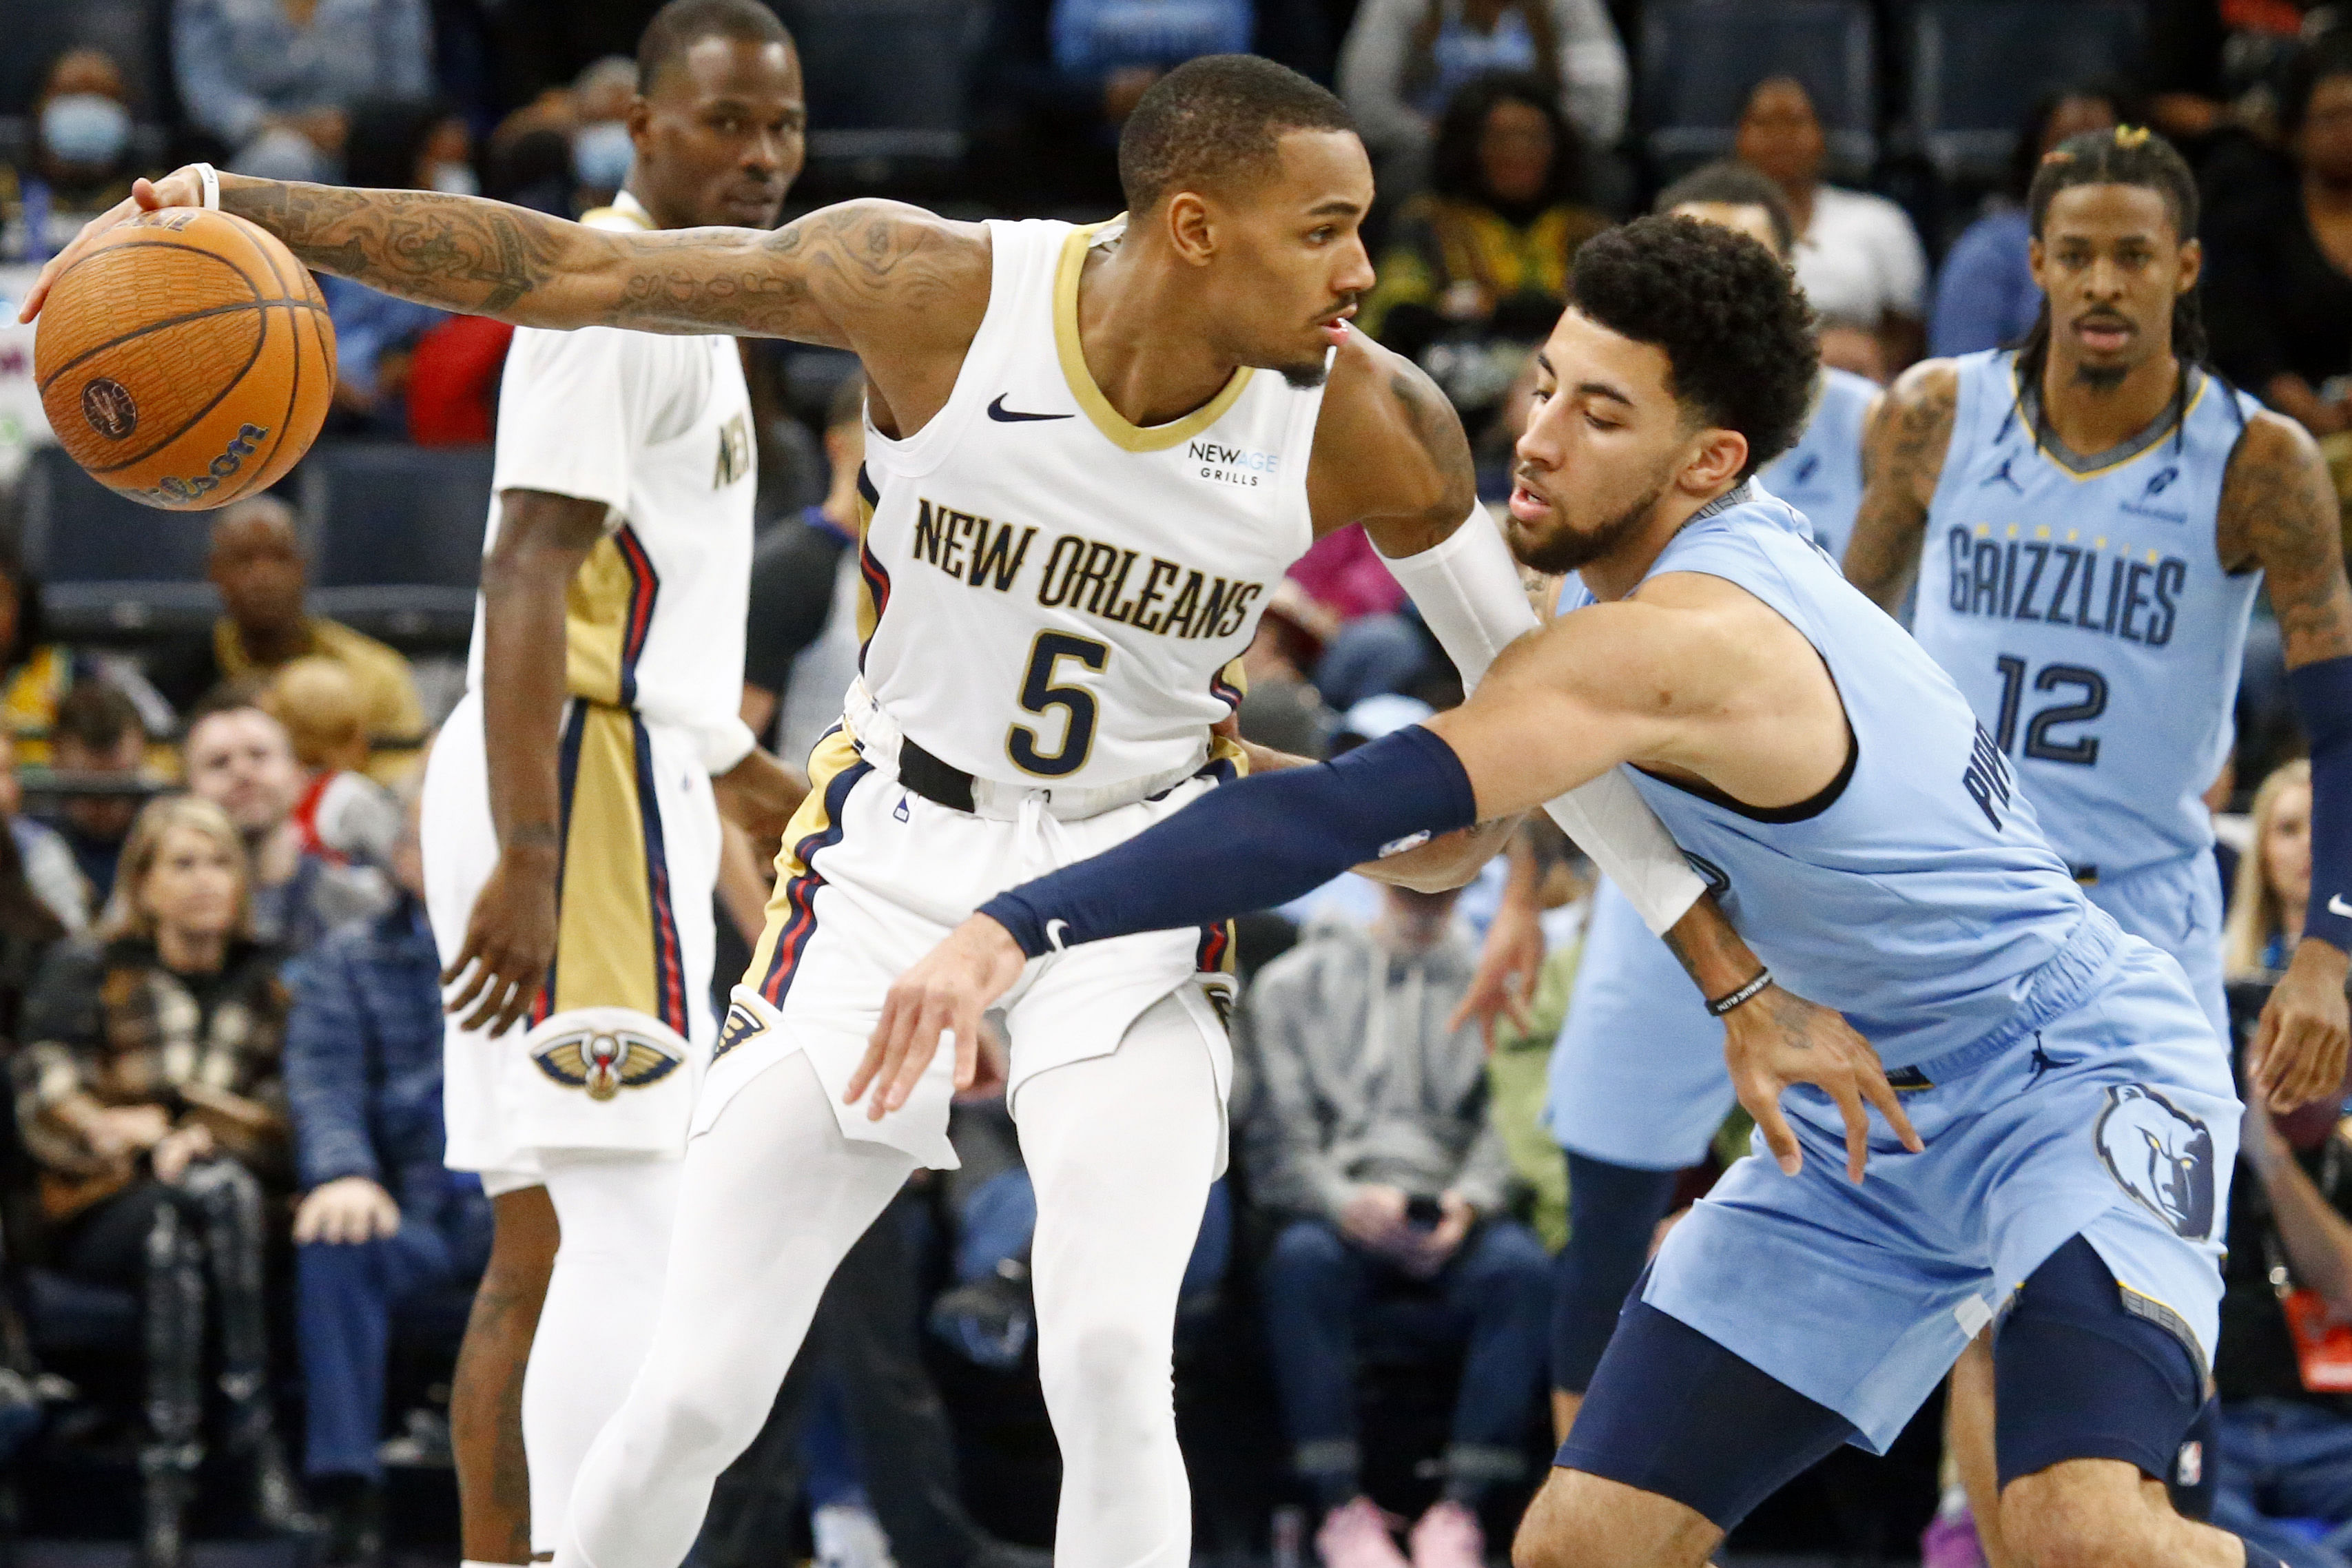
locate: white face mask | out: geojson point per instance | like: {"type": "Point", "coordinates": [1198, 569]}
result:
{"type": "Point", "coordinates": [601, 155]}
{"type": "Point", "coordinates": [454, 180]}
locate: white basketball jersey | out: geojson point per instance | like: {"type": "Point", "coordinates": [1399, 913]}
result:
{"type": "Point", "coordinates": [1051, 596]}
{"type": "Point", "coordinates": [659, 430]}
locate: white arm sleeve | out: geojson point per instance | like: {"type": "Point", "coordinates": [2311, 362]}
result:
{"type": "Point", "coordinates": [1468, 590]}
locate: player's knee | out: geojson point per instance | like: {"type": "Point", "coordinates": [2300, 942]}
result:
{"type": "Point", "coordinates": [1102, 1368]}
{"type": "Point", "coordinates": [696, 1427]}
{"type": "Point", "coordinates": [2082, 1513]}
{"type": "Point", "coordinates": [1308, 1250]}
{"type": "Point", "coordinates": [1580, 1521]}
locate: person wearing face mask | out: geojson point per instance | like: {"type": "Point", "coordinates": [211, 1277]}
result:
{"type": "Point", "coordinates": [601, 151]}
{"type": "Point", "coordinates": [281, 80]}
{"type": "Point", "coordinates": [80, 162]}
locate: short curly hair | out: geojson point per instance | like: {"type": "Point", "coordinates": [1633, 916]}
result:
{"type": "Point", "coordinates": [1737, 330]}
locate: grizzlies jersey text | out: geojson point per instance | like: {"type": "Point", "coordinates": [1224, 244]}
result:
{"type": "Point", "coordinates": [2087, 618]}
{"type": "Point", "coordinates": [1820, 476]}
{"type": "Point", "coordinates": [1054, 597]}
{"type": "Point", "coordinates": [1924, 843]}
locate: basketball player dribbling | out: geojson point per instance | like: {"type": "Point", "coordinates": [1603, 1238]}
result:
{"type": "Point", "coordinates": [1090, 452]}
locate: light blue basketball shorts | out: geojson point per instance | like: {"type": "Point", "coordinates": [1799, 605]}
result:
{"type": "Point", "coordinates": [2176, 907]}
{"type": "Point", "coordinates": [1637, 1075]}
{"type": "Point", "coordinates": [2106, 1113]}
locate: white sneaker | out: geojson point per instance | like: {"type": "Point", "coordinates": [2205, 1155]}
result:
{"type": "Point", "coordinates": [848, 1536]}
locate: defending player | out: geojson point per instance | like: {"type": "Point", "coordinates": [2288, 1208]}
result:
{"type": "Point", "coordinates": [2099, 512]}
{"type": "Point", "coordinates": [1089, 452]}
{"type": "Point", "coordinates": [2076, 1105]}
{"type": "Point", "coordinates": [569, 834]}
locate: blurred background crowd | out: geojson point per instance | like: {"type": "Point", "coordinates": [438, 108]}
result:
{"type": "Point", "coordinates": [217, 1000]}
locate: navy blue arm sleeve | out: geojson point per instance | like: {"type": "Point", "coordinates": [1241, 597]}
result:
{"type": "Point", "coordinates": [2323, 695]}
{"type": "Point", "coordinates": [1247, 845]}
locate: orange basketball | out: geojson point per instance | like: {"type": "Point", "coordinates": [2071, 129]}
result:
{"type": "Point", "coordinates": [185, 360]}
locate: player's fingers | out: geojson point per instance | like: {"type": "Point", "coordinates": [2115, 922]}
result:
{"type": "Point", "coordinates": [967, 1055]}
{"type": "Point", "coordinates": [2262, 1056]}
{"type": "Point", "coordinates": [1763, 1103]}
{"type": "Point", "coordinates": [1890, 1105]}
{"type": "Point", "coordinates": [939, 1024]}
{"type": "Point", "coordinates": [469, 984]}
{"type": "Point", "coordinates": [876, 1051]}
{"type": "Point", "coordinates": [142, 193]}
{"type": "Point", "coordinates": [1857, 1125]}
{"type": "Point", "coordinates": [517, 1006]}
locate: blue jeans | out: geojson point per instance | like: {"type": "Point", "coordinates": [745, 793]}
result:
{"type": "Point", "coordinates": [345, 1298]}
{"type": "Point", "coordinates": [1494, 1298]}
{"type": "Point", "coordinates": [2286, 1466]}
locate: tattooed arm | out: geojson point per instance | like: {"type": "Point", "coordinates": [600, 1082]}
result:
{"type": "Point", "coordinates": [2279, 513]}
{"type": "Point", "coordinates": [851, 276]}
{"type": "Point", "coordinates": [1390, 453]}
{"type": "Point", "coordinates": [1902, 459]}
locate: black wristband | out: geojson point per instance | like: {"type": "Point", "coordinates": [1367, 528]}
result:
{"type": "Point", "coordinates": [1719, 1005]}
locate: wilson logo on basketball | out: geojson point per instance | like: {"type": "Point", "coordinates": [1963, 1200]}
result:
{"type": "Point", "coordinates": [108, 406]}
{"type": "Point", "coordinates": [172, 489]}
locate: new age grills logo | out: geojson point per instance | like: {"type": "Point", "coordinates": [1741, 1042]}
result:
{"type": "Point", "coordinates": [1232, 465]}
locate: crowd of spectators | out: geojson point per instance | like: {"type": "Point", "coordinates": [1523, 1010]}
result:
{"type": "Point", "coordinates": [220, 998]}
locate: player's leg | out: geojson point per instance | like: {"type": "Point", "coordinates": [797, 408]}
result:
{"type": "Point", "coordinates": [1678, 1439]}
{"type": "Point", "coordinates": [614, 1215]}
{"type": "Point", "coordinates": [770, 1196]}
{"type": "Point", "coordinates": [1969, 1439]}
{"type": "Point", "coordinates": [1121, 1149]}
{"type": "Point", "coordinates": [1612, 1212]}
{"type": "Point", "coordinates": [2093, 1400]}
{"type": "Point", "coordinates": [486, 1393]}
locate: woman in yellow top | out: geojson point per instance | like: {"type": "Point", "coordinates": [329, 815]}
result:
{"type": "Point", "coordinates": [36, 674]}
{"type": "Point", "coordinates": [1477, 267]}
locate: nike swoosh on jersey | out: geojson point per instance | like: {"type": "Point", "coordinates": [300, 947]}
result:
{"type": "Point", "coordinates": [1003, 415]}
{"type": "Point", "coordinates": [2337, 906]}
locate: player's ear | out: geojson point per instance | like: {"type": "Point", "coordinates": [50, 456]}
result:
{"type": "Point", "coordinates": [2033, 257]}
{"type": "Point", "coordinates": [1715, 461]}
{"type": "Point", "coordinates": [639, 119]}
{"type": "Point", "coordinates": [1191, 229]}
{"type": "Point", "coordinates": [2193, 264]}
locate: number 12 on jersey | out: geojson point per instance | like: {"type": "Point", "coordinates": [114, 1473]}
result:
{"type": "Point", "coordinates": [1040, 695]}
{"type": "Point", "coordinates": [2040, 745]}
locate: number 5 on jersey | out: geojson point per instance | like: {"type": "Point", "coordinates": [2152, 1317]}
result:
{"type": "Point", "coordinates": [1039, 695]}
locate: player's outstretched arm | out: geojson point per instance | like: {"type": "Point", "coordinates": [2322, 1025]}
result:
{"type": "Point", "coordinates": [2279, 513]}
{"type": "Point", "coordinates": [843, 276]}
{"type": "Point", "coordinates": [1909, 429]}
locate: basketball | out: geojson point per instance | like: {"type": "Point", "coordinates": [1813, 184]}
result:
{"type": "Point", "coordinates": [186, 360]}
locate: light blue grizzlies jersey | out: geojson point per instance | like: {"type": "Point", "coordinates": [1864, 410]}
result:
{"type": "Point", "coordinates": [2084, 610]}
{"type": "Point", "coordinates": [1820, 476]}
{"type": "Point", "coordinates": [1916, 894]}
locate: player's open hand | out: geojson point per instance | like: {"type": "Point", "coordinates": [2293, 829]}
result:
{"type": "Point", "coordinates": [1776, 1039]}
{"type": "Point", "coordinates": [509, 943]}
{"type": "Point", "coordinates": [2299, 1046]}
{"type": "Point", "coordinates": [943, 995]}
{"type": "Point", "coordinates": [1508, 968]}
{"type": "Point", "coordinates": [180, 188]}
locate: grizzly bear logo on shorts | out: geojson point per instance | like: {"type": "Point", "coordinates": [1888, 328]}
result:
{"type": "Point", "coordinates": [2161, 1155]}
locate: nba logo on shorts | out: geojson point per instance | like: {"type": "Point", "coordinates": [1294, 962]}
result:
{"type": "Point", "coordinates": [2161, 1155]}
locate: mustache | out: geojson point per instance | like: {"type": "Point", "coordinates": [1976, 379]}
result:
{"type": "Point", "coordinates": [2105, 319]}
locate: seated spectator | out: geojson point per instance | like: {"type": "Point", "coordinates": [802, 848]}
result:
{"type": "Point", "coordinates": [99, 740]}
{"type": "Point", "coordinates": [2274, 881]}
{"type": "Point", "coordinates": [149, 1100]}
{"type": "Point", "coordinates": [1405, 60]}
{"type": "Point", "coordinates": [1372, 1143]}
{"type": "Point", "coordinates": [382, 1227]}
{"type": "Point", "coordinates": [277, 79]}
{"type": "Point", "coordinates": [2278, 277]}
{"type": "Point", "coordinates": [801, 641]}
{"type": "Point", "coordinates": [343, 816]}
{"type": "Point", "coordinates": [2212, 65]}
{"type": "Point", "coordinates": [81, 161]}
{"type": "Point", "coordinates": [1280, 708]}
{"type": "Point", "coordinates": [259, 567]}
{"type": "Point", "coordinates": [1477, 267]}
{"type": "Point", "coordinates": [603, 151]}
{"type": "Point", "coordinates": [406, 144]}
{"type": "Point", "coordinates": [1058, 77]}
{"type": "Point", "coordinates": [238, 757]}
{"type": "Point", "coordinates": [44, 860]}
{"type": "Point", "coordinates": [1985, 297]}
{"type": "Point", "coordinates": [35, 673]}
{"type": "Point", "coordinates": [1857, 255]}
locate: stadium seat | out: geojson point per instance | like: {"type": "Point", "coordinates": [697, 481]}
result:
{"type": "Point", "coordinates": [107, 564]}
{"type": "Point", "coordinates": [1700, 59]}
{"type": "Point", "coordinates": [398, 529]}
{"type": "Point", "coordinates": [886, 80]}
{"type": "Point", "coordinates": [1978, 66]}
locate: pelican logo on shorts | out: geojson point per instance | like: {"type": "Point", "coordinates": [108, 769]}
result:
{"type": "Point", "coordinates": [605, 1063]}
{"type": "Point", "coordinates": [108, 406]}
{"type": "Point", "coordinates": [2159, 1155]}
{"type": "Point", "coordinates": [741, 1026]}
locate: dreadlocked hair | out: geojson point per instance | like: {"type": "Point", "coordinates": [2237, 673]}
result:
{"type": "Point", "coordinates": [2124, 155]}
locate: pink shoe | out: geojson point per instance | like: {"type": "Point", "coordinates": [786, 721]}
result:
{"type": "Point", "coordinates": [1950, 1542]}
{"type": "Point", "coordinates": [1357, 1536]}
{"type": "Point", "coordinates": [1448, 1537]}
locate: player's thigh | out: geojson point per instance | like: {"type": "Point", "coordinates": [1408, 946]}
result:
{"type": "Point", "coordinates": [1673, 1414]}
{"type": "Point", "coordinates": [1583, 1521]}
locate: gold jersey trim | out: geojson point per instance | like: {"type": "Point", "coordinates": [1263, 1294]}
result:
{"type": "Point", "coordinates": [1106, 419]}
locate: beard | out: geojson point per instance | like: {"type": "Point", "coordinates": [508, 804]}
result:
{"type": "Point", "coordinates": [1304, 377]}
{"type": "Point", "coordinates": [1566, 550]}
{"type": "Point", "coordinates": [2101, 378]}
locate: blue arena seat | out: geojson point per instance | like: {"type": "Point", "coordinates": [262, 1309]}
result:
{"type": "Point", "coordinates": [1699, 59]}
{"type": "Point", "coordinates": [1978, 66]}
{"type": "Point", "coordinates": [886, 80]}
{"type": "Point", "coordinates": [398, 529]}
{"type": "Point", "coordinates": [108, 565]}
